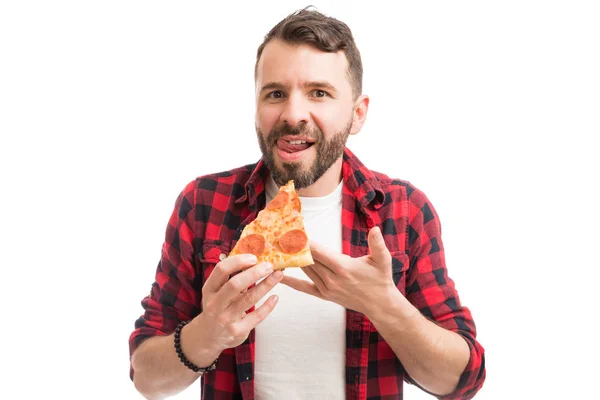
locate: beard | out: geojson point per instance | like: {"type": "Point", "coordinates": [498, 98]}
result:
{"type": "Point", "coordinates": [328, 152]}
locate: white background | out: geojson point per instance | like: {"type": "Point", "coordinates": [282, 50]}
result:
{"type": "Point", "coordinates": [107, 109]}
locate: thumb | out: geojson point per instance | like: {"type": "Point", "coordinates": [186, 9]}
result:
{"type": "Point", "coordinates": [379, 253]}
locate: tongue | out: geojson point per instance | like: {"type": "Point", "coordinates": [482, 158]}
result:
{"type": "Point", "coordinates": [292, 148]}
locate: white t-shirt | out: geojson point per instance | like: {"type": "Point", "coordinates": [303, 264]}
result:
{"type": "Point", "coordinates": [301, 346]}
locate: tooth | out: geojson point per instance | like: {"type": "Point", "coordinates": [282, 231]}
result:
{"type": "Point", "coordinates": [297, 141]}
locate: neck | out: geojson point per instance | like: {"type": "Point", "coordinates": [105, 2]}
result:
{"type": "Point", "coordinates": [326, 183]}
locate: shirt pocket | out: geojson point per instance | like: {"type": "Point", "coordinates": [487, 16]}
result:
{"type": "Point", "coordinates": [210, 254]}
{"type": "Point", "coordinates": [400, 265]}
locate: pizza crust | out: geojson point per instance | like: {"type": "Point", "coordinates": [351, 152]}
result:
{"type": "Point", "coordinates": [302, 259]}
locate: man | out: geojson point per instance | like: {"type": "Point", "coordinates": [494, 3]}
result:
{"type": "Point", "coordinates": [378, 307]}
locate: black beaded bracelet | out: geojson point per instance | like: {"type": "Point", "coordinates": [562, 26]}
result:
{"type": "Point", "coordinates": [183, 358]}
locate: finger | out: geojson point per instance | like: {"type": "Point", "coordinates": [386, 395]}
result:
{"type": "Point", "coordinates": [231, 290]}
{"type": "Point", "coordinates": [379, 253]}
{"type": "Point", "coordinates": [251, 320]}
{"type": "Point", "coordinates": [328, 258]}
{"type": "Point", "coordinates": [324, 272]}
{"type": "Point", "coordinates": [310, 272]}
{"type": "Point", "coordinates": [252, 296]}
{"type": "Point", "coordinates": [302, 286]}
{"type": "Point", "coordinates": [225, 268]}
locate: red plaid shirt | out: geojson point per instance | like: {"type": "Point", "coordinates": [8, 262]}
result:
{"type": "Point", "coordinates": [209, 216]}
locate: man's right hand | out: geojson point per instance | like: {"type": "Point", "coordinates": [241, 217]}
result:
{"type": "Point", "coordinates": [223, 322]}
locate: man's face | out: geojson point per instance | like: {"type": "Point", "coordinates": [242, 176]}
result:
{"type": "Point", "coordinates": [304, 110]}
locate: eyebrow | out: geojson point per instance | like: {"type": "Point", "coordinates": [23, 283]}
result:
{"type": "Point", "coordinates": [313, 84]}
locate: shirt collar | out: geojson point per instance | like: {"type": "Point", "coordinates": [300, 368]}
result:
{"type": "Point", "coordinates": [362, 182]}
{"type": "Point", "coordinates": [358, 179]}
{"type": "Point", "coordinates": [255, 186]}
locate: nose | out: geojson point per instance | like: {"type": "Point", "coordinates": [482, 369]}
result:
{"type": "Point", "coordinates": [295, 111]}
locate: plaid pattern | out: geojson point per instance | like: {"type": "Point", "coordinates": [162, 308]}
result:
{"type": "Point", "coordinates": [209, 216]}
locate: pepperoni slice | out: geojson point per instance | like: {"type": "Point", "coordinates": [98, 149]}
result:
{"type": "Point", "coordinates": [279, 201]}
{"type": "Point", "coordinates": [293, 241]}
{"type": "Point", "coordinates": [252, 244]}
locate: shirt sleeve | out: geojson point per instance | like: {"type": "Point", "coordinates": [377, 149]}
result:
{"type": "Point", "coordinates": [173, 297]}
{"type": "Point", "coordinates": [432, 291]}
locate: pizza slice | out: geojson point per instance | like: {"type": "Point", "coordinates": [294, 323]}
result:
{"type": "Point", "coordinates": [277, 235]}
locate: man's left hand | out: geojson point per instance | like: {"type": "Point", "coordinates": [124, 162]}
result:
{"type": "Point", "coordinates": [355, 283]}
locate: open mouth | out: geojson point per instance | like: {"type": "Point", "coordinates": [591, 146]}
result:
{"type": "Point", "coordinates": [294, 146]}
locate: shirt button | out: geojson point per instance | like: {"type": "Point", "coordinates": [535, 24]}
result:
{"type": "Point", "coordinates": [222, 256]}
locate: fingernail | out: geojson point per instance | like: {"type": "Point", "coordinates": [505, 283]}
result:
{"type": "Point", "coordinates": [251, 258]}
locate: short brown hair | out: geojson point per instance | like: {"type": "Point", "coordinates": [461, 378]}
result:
{"type": "Point", "coordinates": [322, 32]}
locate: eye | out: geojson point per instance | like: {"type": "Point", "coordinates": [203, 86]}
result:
{"type": "Point", "coordinates": [276, 94]}
{"type": "Point", "coordinates": [320, 93]}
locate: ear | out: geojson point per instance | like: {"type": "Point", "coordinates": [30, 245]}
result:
{"type": "Point", "coordinates": [361, 106]}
